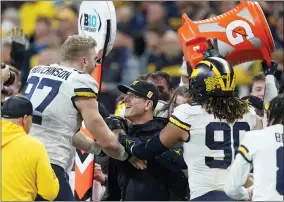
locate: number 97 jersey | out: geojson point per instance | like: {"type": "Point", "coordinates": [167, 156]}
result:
{"type": "Point", "coordinates": [211, 148]}
{"type": "Point", "coordinates": [52, 90]}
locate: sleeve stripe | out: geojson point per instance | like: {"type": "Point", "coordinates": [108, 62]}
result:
{"type": "Point", "coordinates": [89, 90]}
{"type": "Point", "coordinates": [244, 149]}
{"type": "Point", "coordinates": [85, 94]}
{"type": "Point", "coordinates": [174, 120]}
{"type": "Point", "coordinates": [244, 157]}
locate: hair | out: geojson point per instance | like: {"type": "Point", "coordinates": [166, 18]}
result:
{"type": "Point", "coordinates": [230, 109]}
{"type": "Point", "coordinates": [261, 77]}
{"type": "Point", "coordinates": [141, 77]}
{"type": "Point", "coordinates": [76, 46]}
{"type": "Point", "coordinates": [276, 111]}
{"type": "Point", "coordinates": [163, 75]}
{"type": "Point", "coordinates": [258, 77]}
{"type": "Point", "coordinates": [180, 91]}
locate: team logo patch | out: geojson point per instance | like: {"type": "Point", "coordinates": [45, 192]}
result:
{"type": "Point", "coordinates": [150, 94]}
{"type": "Point", "coordinates": [134, 83]}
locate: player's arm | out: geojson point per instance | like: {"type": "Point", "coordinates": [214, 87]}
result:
{"type": "Point", "coordinates": [83, 142]}
{"type": "Point", "coordinates": [270, 85]}
{"type": "Point", "coordinates": [46, 180]}
{"type": "Point", "coordinates": [239, 173]}
{"type": "Point", "coordinates": [174, 133]}
{"type": "Point", "coordinates": [88, 106]}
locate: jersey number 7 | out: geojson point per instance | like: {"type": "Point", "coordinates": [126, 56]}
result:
{"type": "Point", "coordinates": [229, 144]}
{"type": "Point", "coordinates": [36, 83]}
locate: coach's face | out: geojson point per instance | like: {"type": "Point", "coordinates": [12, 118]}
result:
{"type": "Point", "coordinates": [135, 106]}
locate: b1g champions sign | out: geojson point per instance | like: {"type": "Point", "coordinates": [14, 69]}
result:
{"type": "Point", "coordinates": [91, 22]}
{"type": "Point", "coordinates": [93, 17]}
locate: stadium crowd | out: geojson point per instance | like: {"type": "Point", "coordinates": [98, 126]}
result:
{"type": "Point", "coordinates": [146, 57]}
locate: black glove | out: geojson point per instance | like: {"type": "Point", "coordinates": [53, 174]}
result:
{"type": "Point", "coordinates": [127, 142]}
{"type": "Point", "coordinates": [213, 50]}
{"type": "Point", "coordinates": [116, 122]}
{"type": "Point", "coordinates": [19, 46]}
{"type": "Point", "coordinates": [269, 70]}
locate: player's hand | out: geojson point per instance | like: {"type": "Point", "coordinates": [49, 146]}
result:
{"type": "Point", "coordinates": [139, 164]}
{"type": "Point", "coordinates": [116, 122]}
{"type": "Point", "coordinates": [269, 70]}
{"type": "Point", "coordinates": [213, 50]}
{"type": "Point", "coordinates": [250, 192]}
{"type": "Point", "coordinates": [20, 44]}
{"type": "Point", "coordinates": [98, 174]}
{"type": "Point", "coordinates": [249, 181]}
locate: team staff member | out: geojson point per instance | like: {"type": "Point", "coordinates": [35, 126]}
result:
{"type": "Point", "coordinates": [152, 184]}
{"type": "Point", "coordinates": [26, 170]}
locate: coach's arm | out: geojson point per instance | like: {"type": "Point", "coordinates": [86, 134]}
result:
{"type": "Point", "coordinates": [98, 128]}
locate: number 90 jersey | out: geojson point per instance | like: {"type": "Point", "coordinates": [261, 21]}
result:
{"type": "Point", "coordinates": [52, 90]}
{"type": "Point", "coordinates": [212, 146]}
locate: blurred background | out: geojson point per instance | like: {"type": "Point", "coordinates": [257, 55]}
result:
{"type": "Point", "coordinates": [146, 39]}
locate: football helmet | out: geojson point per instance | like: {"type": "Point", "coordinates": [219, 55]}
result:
{"type": "Point", "coordinates": [212, 77]}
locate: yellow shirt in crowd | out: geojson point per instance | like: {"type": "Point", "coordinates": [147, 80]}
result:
{"type": "Point", "coordinates": [26, 169]}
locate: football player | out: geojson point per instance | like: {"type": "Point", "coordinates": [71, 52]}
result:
{"type": "Point", "coordinates": [263, 151]}
{"type": "Point", "coordinates": [65, 94]}
{"type": "Point", "coordinates": [211, 127]}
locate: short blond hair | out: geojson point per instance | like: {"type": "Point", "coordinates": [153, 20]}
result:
{"type": "Point", "coordinates": [76, 46]}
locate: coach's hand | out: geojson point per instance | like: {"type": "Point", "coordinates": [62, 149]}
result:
{"type": "Point", "coordinates": [269, 70]}
{"type": "Point", "coordinates": [116, 122]}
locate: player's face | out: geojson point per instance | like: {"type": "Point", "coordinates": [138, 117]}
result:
{"type": "Point", "coordinates": [27, 123]}
{"type": "Point", "coordinates": [134, 106]}
{"type": "Point", "coordinates": [258, 89]}
{"type": "Point", "coordinates": [91, 61]}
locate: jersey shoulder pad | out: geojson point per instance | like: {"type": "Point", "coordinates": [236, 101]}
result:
{"type": "Point", "coordinates": [85, 85]}
{"type": "Point", "coordinates": [182, 116]}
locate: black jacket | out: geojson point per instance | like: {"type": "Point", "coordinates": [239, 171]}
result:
{"type": "Point", "coordinates": [161, 181]}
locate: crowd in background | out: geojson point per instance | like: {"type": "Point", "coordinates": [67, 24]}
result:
{"type": "Point", "coordinates": [146, 45]}
{"type": "Point", "coordinates": [146, 39]}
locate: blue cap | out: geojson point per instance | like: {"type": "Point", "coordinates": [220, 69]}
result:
{"type": "Point", "coordinates": [17, 107]}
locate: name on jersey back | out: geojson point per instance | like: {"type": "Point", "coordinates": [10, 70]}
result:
{"type": "Point", "coordinates": [279, 137]}
{"type": "Point", "coordinates": [54, 71]}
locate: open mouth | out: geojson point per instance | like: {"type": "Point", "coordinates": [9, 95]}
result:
{"type": "Point", "coordinates": [127, 107]}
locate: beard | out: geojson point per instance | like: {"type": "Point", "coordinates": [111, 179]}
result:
{"type": "Point", "coordinates": [164, 96]}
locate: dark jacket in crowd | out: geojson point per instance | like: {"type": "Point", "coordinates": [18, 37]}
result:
{"type": "Point", "coordinates": [157, 181]}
